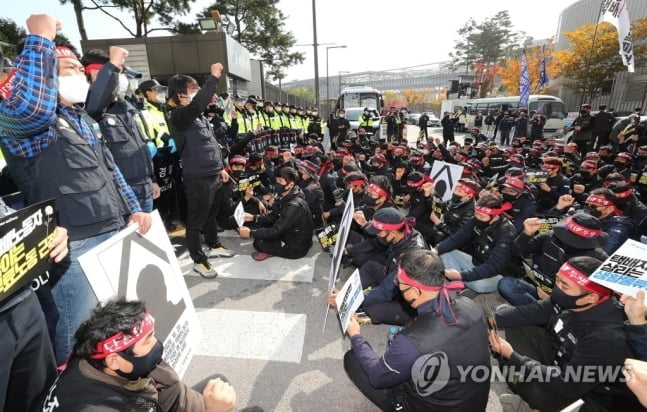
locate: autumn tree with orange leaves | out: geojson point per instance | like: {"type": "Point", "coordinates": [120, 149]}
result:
{"type": "Point", "coordinates": [590, 63]}
{"type": "Point", "coordinates": [510, 72]}
{"type": "Point", "coordinates": [593, 58]}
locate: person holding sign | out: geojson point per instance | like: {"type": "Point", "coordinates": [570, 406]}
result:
{"type": "Point", "coordinates": [577, 235]}
{"type": "Point", "coordinates": [587, 326]}
{"type": "Point", "coordinates": [27, 364]}
{"type": "Point", "coordinates": [447, 334]}
{"type": "Point", "coordinates": [117, 364]}
{"type": "Point", "coordinates": [43, 124]}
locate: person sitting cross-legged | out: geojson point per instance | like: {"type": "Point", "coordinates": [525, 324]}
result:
{"type": "Point", "coordinates": [287, 230]}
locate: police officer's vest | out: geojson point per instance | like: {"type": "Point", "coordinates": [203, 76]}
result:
{"type": "Point", "coordinates": [79, 177]}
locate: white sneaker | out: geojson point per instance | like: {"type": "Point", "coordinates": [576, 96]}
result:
{"type": "Point", "coordinates": [205, 270]}
{"type": "Point", "coordinates": [219, 252]}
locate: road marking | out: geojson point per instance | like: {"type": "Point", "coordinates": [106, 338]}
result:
{"type": "Point", "coordinates": [252, 335]}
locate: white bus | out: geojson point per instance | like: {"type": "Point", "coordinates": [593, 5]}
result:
{"type": "Point", "coordinates": [552, 106]}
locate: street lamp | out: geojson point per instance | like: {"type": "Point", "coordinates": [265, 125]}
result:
{"type": "Point", "coordinates": [327, 83]}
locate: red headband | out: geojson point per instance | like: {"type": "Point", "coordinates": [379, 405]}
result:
{"type": "Point", "coordinates": [581, 280]}
{"type": "Point", "coordinates": [589, 164]}
{"type": "Point", "coordinates": [93, 66]}
{"type": "Point", "coordinates": [622, 195]}
{"type": "Point", "coordinates": [387, 226]}
{"type": "Point", "coordinates": [579, 230]}
{"type": "Point", "coordinates": [425, 179]}
{"type": "Point", "coordinates": [7, 85]}
{"type": "Point", "coordinates": [599, 201]}
{"type": "Point", "coordinates": [465, 188]}
{"type": "Point", "coordinates": [516, 183]}
{"type": "Point", "coordinates": [444, 305]}
{"type": "Point", "coordinates": [121, 341]}
{"type": "Point", "coordinates": [378, 190]}
{"type": "Point", "coordinates": [63, 52]}
{"type": "Point", "coordinates": [358, 182]}
{"type": "Point", "coordinates": [489, 211]}
{"type": "Point", "coordinates": [551, 166]}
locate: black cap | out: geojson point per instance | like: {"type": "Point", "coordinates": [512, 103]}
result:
{"type": "Point", "coordinates": [148, 85]}
{"type": "Point", "coordinates": [581, 231]}
{"type": "Point", "coordinates": [251, 100]}
{"type": "Point", "coordinates": [386, 218]}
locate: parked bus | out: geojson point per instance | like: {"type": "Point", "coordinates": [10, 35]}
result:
{"type": "Point", "coordinates": [552, 106]}
{"type": "Point", "coordinates": [360, 96]}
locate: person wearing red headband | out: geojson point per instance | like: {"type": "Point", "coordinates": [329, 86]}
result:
{"type": "Point", "coordinates": [392, 235]}
{"type": "Point", "coordinates": [450, 216]}
{"type": "Point", "coordinates": [518, 201]}
{"type": "Point", "coordinates": [601, 203]}
{"type": "Point", "coordinates": [585, 180]}
{"type": "Point", "coordinates": [555, 185]}
{"type": "Point", "coordinates": [578, 355]}
{"type": "Point", "coordinates": [577, 235]}
{"type": "Point", "coordinates": [117, 363]}
{"type": "Point", "coordinates": [58, 147]}
{"type": "Point", "coordinates": [631, 206]}
{"type": "Point", "coordinates": [446, 334]}
{"type": "Point", "coordinates": [489, 236]}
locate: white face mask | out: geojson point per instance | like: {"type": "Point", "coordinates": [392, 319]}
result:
{"type": "Point", "coordinates": [73, 89]}
{"type": "Point", "coordinates": [161, 97]}
{"type": "Point", "coordinates": [123, 84]}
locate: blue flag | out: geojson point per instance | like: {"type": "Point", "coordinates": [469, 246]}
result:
{"type": "Point", "coordinates": [524, 84]}
{"type": "Point", "coordinates": [543, 77]}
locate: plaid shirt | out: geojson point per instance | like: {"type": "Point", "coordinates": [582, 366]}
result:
{"type": "Point", "coordinates": [28, 116]}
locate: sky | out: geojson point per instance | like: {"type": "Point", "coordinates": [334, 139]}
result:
{"type": "Point", "coordinates": [378, 34]}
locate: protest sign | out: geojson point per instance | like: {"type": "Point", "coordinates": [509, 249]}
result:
{"type": "Point", "coordinates": [446, 176]}
{"type": "Point", "coordinates": [239, 214]}
{"type": "Point", "coordinates": [24, 246]}
{"type": "Point", "coordinates": [625, 271]}
{"type": "Point", "coordinates": [349, 298]}
{"type": "Point", "coordinates": [145, 268]}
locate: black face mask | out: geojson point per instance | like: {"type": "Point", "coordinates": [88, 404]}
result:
{"type": "Point", "coordinates": [456, 198]}
{"type": "Point", "coordinates": [481, 224]}
{"type": "Point", "coordinates": [142, 365]}
{"type": "Point", "coordinates": [279, 188]}
{"type": "Point", "coordinates": [620, 165]}
{"type": "Point", "coordinates": [584, 112]}
{"type": "Point", "coordinates": [585, 175]}
{"type": "Point", "coordinates": [236, 174]}
{"type": "Point", "coordinates": [382, 241]}
{"type": "Point", "coordinates": [369, 201]}
{"type": "Point", "coordinates": [337, 164]}
{"type": "Point", "coordinates": [508, 197]}
{"type": "Point", "coordinates": [564, 301]}
{"type": "Point", "coordinates": [593, 211]}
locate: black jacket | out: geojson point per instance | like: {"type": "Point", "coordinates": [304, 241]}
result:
{"type": "Point", "coordinates": [290, 221]}
{"type": "Point", "coordinates": [594, 337]}
{"type": "Point", "coordinates": [492, 249]}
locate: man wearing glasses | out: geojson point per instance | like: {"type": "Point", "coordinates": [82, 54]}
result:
{"type": "Point", "coordinates": [448, 335]}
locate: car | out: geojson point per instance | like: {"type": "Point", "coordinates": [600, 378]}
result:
{"type": "Point", "coordinates": [353, 114]}
{"type": "Point", "coordinates": [413, 118]}
{"type": "Point", "coordinates": [433, 121]}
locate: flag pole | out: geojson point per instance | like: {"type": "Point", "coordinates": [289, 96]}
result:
{"type": "Point", "coordinates": [588, 61]}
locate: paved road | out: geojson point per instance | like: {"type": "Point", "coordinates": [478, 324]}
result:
{"type": "Point", "coordinates": [263, 329]}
